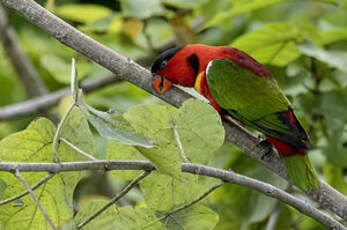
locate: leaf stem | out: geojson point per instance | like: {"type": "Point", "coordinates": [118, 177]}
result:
{"type": "Point", "coordinates": [80, 151]}
{"type": "Point", "coordinates": [180, 146]}
{"type": "Point", "coordinates": [57, 134]}
{"type": "Point", "coordinates": [271, 223]}
{"type": "Point", "coordinates": [122, 193]}
{"type": "Point", "coordinates": [36, 199]}
{"type": "Point", "coordinates": [35, 186]}
{"type": "Point", "coordinates": [186, 205]}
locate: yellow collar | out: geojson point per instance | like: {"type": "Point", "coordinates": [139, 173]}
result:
{"type": "Point", "coordinates": [197, 84]}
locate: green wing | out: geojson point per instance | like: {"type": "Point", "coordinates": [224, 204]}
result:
{"type": "Point", "coordinates": [256, 101]}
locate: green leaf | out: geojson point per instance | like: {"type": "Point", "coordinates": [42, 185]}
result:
{"type": "Point", "coordinates": [2, 188]}
{"type": "Point", "coordinates": [35, 144]}
{"type": "Point", "coordinates": [84, 13]}
{"type": "Point", "coordinates": [76, 130]}
{"type": "Point", "coordinates": [114, 129]}
{"type": "Point", "coordinates": [142, 8]}
{"type": "Point", "coordinates": [273, 44]}
{"type": "Point", "coordinates": [310, 33]}
{"type": "Point", "coordinates": [242, 6]}
{"type": "Point", "coordinates": [333, 107]}
{"type": "Point", "coordinates": [200, 130]}
{"type": "Point", "coordinates": [335, 151]}
{"type": "Point", "coordinates": [336, 59]}
{"type": "Point", "coordinates": [112, 24]}
{"type": "Point", "coordinates": [60, 69]}
{"type": "Point", "coordinates": [246, 206]}
{"type": "Point", "coordinates": [163, 192]}
{"type": "Point", "coordinates": [119, 151]}
{"type": "Point", "coordinates": [211, 8]}
{"type": "Point", "coordinates": [105, 221]}
{"type": "Point", "coordinates": [239, 7]}
{"type": "Point", "coordinates": [159, 30]}
{"type": "Point", "coordinates": [184, 4]}
{"type": "Point", "coordinates": [197, 217]}
{"type": "Point", "coordinates": [154, 121]}
{"type": "Point", "coordinates": [330, 36]}
{"type": "Point", "coordinates": [334, 176]}
{"type": "Point", "coordinates": [11, 89]}
{"type": "Point", "coordinates": [136, 218]}
{"type": "Point", "coordinates": [31, 145]}
{"type": "Point", "coordinates": [24, 213]}
{"type": "Point", "coordinates": [198, 125]}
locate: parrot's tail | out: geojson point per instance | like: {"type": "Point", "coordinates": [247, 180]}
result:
{"type": "Point", "coordinates": [301, 171]}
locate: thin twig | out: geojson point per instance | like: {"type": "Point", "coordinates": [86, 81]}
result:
{"type": "Point", "coordinates": [128, 70]}
{"type": "Point", "coordinates": [25, 70]}
{"type": "Point", "coordinates": [80, 151]}
{"type": "Point", "coordinates": [147, 35]}
{"type": "Point", "coordinates": [25, 183]}
{"type": "Point", "coordinates": [271, 223]}
{"type": "Point", "coordinates": [186, 205]}
{"type": "Point", "coordinates": [122, 193]}
{"type": "Point", "coordinates": [198, 169]}
{"type": "Point", "coordinates": [38, 104]}
{"type": "Point", "coordinates": [35, 186]}
{"type": "Point", "coordinates": [56, 138]}
{"type": "Point", "coordinates": [180, 146]}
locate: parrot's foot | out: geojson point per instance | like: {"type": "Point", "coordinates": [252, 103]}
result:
{"type": "Point", "coordinates": [230, 170]}
{"type": "Point", "coordinates": [265, 143]}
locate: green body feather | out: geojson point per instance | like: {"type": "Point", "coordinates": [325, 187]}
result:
{"type": "Point", "coordinates": [301, 171]}
{"type": "Point", "coordinates": [257, 101]}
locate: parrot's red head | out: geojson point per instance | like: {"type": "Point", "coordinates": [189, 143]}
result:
{"type": "Point", "coordinates": [183, 65]}
{"type": "Point", "coordinates": [175, 65]}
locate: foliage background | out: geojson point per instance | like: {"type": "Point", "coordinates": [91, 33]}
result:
{"type": "Point", "coordinates": [303, 43]}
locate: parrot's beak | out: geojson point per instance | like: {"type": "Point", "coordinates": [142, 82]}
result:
{"type": "Point", "coordinates": [160, 84]}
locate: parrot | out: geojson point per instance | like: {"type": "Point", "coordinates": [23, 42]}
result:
{"type": "Point", "coordinates": [237, 85]}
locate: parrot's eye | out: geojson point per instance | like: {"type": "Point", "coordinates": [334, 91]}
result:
{"type": "Point", "coordinates": [163, 64]}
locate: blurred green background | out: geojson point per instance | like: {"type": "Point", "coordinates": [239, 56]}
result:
{"type": "Point", "coordinates": [302, 42]}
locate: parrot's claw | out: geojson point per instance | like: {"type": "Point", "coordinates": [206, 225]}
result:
{"type": "Point", "coordinates": [230, 170]}
{"type": "Point", "coordinates": [265, 143]}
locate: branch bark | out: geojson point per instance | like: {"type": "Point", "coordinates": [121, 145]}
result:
{"type": "Point", "coordinates": [36, 199]}
{"type": "Point", "coordinates": [41, 103]}
{"type": "Point", "coordinates": [128, 70]}
{"type": "Point", "coordinates": [26, 71]}
{"type": "Point", "coordinates": [35, 186]}
{"type": "Point", "coordinates": [122, 193]}
{"type": "Point", "coordinates": [198, 169]}
{"type": "Point", "coordinates": [208, 192]}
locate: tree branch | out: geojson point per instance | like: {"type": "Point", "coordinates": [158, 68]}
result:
{"type": "Point", "coordinates": [41, 103]}
{"type": "Point", "coordinates": [80, 151]}
{"type": "Point", "coordinates": [35, 186]}
{"type": "Point", "coordinates": [225, 175]}
{"type": "Point", "coordinates": [56, 138]}
{"type": "Point", "coordinates": [271, 223]}
{"type": "Point", "coordinates": [186, 205]}
{"type": "Point", "coordinates": [26, 71]}
{"type": "Point", "coordinates": [128, 70]}
{"type": "Point", "coordinates": [179, 143]}
{"type": "Point", "coordinates": [122, 193]}
{"type": "Point", "coordinates": [36, 199]}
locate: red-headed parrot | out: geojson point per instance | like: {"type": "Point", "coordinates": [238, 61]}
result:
{"type": "Point", "coordinates": [238, 85]}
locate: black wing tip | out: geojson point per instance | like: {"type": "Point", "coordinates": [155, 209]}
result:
{"type": "Point", "coordinates": [299, 137]}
